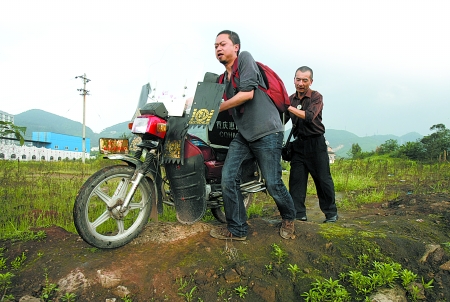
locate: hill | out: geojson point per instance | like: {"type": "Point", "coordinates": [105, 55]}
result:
{"type": "Point", "coordinates": [37, 120]}
{"type": "Point", "coordinates": [341, 141]}
{"type": "Point", "coordinates": [41, 121]}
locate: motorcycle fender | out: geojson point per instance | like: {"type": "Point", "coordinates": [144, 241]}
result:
{"type": "Point", "coordinates": [188, 185]}
{"type": "Point", "coordinates": [132, 161]}
{"type": "Point", "coordinates": [126, 158]}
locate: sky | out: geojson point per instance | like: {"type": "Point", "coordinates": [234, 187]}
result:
{"type": "Point", "coordinates": [383, 67]}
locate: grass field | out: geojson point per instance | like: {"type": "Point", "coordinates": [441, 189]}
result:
{"type": "Point", "coordinates": [40, 194]}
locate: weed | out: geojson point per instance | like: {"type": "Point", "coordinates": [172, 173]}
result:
{"type": "Point", "coordinates": [221, 292]}
{"type": "Point", "coordinates": [7, 298]}
{"type": "Point", "coordinates": [446, 246]}
{"type": "Point", "coordinates": [407, 277]}
{"type": "Point", "coordinates": [361, 283]}
{"type": "Point", "coordinates": [278, 253]}
{"type": "Point", "coordinates": [68, 297]}
{"type": "Point", "coordinates": [126, 298]}
{"type": "Point", "coordinates": [49, 289]}
{"type": "Point", "coordinates": [18, 261]}
{"type": "Point", "coordinates": [427, 285]}
{"type": "Point", "coordinates": [269, 268]}
{"type": "Point", "coordinates": [415, 293]}
{"type": "Point", "coordinates": [2, 262]}
{"type": "Point", "coordinates": [241, 291]}
{"type": "Point", "coordinates": [255, 209]}
{"type": "Point", "coordinates": [295, 270]}
{"type": "Point", "coordinates": [385, 273]}
{"type": "Point", "coordinates": [5, 282]}
{"type": "Point", "coordinates": [327, 290]}
{"type": "Point", "coordinates": [182, 283]}
{"type": "Point", "coordinates": [188, 295]}
{"type": "Point", "coordinates": [381, 274]}
{"type": "Point", "coordinates": [363, 260]}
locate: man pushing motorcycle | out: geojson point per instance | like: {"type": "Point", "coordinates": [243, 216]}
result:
{"type": "Point", "coordinates": [260, 136]}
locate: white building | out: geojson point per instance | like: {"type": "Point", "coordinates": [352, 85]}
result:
{"type": "Point", "coordinates": [27, 152]}
{"type": "Point", "coordinates": [46, 146]}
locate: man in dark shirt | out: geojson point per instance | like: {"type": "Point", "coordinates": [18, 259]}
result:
{"type": "Point", "coordinates": [310, 151]}
{"type": "Point", "coordinates": [260, 136]}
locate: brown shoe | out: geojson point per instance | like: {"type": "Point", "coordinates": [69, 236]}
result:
{"type": "Point", "coordinates": [223, 233]}
{"type": "Point", "coordinates": [287, 229]}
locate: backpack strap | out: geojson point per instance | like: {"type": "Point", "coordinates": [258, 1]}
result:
{"type": "Point", "coordinates": [234, 74]}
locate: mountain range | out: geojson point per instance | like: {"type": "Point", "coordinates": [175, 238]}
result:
{"type": "Point", "coordinates": [36, 120]}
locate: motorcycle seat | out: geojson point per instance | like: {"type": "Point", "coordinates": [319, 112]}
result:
{"type": "Point", "coordinates": [207, 151]}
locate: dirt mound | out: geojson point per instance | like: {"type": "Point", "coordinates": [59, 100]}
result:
{"type": "Point", "coordinates": [174, 262]}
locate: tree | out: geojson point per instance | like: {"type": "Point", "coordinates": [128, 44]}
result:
{"type": "Point", "coordinates": [438, 142]}
{"type": "Point", "coordinates": [355, 151]}
{"type": "Point", "coordinates": [7, 128]}
{"type": "Point", "coordinates": [389, 146]}
{"type": "Point", "coordinates": [412, 150]}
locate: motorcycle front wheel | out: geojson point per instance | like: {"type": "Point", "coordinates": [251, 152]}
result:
{"type": "Point", "coordinates": [97, 214]}
{"type": "Point", "coordinates": [219, 212]}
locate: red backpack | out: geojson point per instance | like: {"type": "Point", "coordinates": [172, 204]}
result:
{"type": "Point", "coordinates": [275, 86]}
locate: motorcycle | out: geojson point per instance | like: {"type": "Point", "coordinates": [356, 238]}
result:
{"type": "Point", "coordinates": [176, 160]}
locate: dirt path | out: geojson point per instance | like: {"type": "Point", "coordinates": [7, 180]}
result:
{"type": "Point", "coordinates": [169, 259]}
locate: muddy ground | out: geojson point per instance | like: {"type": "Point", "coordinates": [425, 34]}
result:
{"type": "Point", "coordinates": [170, 261]}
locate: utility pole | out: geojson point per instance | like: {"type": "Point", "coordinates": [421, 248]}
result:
{"type": "Point", "coordinates": [84, 92]}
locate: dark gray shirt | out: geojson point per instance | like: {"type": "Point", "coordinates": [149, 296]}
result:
{"type": "Point", "coordinates": [259, 116]}
{"type": "Point", "coordinates": [312, 104]}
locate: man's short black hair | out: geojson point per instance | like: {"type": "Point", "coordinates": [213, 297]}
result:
{"type": "Point", "coordinates": [305, 69]}
{"type": "Point", "coordinates": [234, 37]}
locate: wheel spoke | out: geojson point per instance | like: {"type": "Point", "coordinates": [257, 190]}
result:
{"type": "Point", "coordinates": [134, 206]}
{"type": "Point", "coordinates": [120, 191]}
{"type": "Point", "coordinates": [120, 226]}
{"type": "Point", "coordinates": [103, 196]}
{"type": "Point", "coordinates": [100, 219]}
{"type": "Point", "coordinates": [122, 187]}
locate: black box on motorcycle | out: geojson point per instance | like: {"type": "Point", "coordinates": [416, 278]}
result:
{"type": "Point", "coordinates": [154, 108]}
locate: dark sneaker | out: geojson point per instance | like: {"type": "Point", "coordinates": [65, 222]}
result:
{"type": "Point", "coordinates": [223, 233]}
{"type": "Point", "coordinates": [287, 229]}
{"type": "Point", "coordinates": [331, 219]}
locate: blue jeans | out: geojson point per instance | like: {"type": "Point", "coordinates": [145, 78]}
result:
{"type": "Point", "coordinates": [267, 151]}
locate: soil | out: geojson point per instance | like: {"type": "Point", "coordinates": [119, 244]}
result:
{"type": "Point", "coordinates": [168, 260]}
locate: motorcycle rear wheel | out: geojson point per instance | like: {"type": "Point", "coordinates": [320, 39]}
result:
{"type": "Point", "coordinates": [96, 211]}
{"type": "Point", "coordinates": [219, 212]}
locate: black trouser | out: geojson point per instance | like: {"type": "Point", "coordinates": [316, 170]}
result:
{"type": "Point", "coordinates": [311, 157]}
